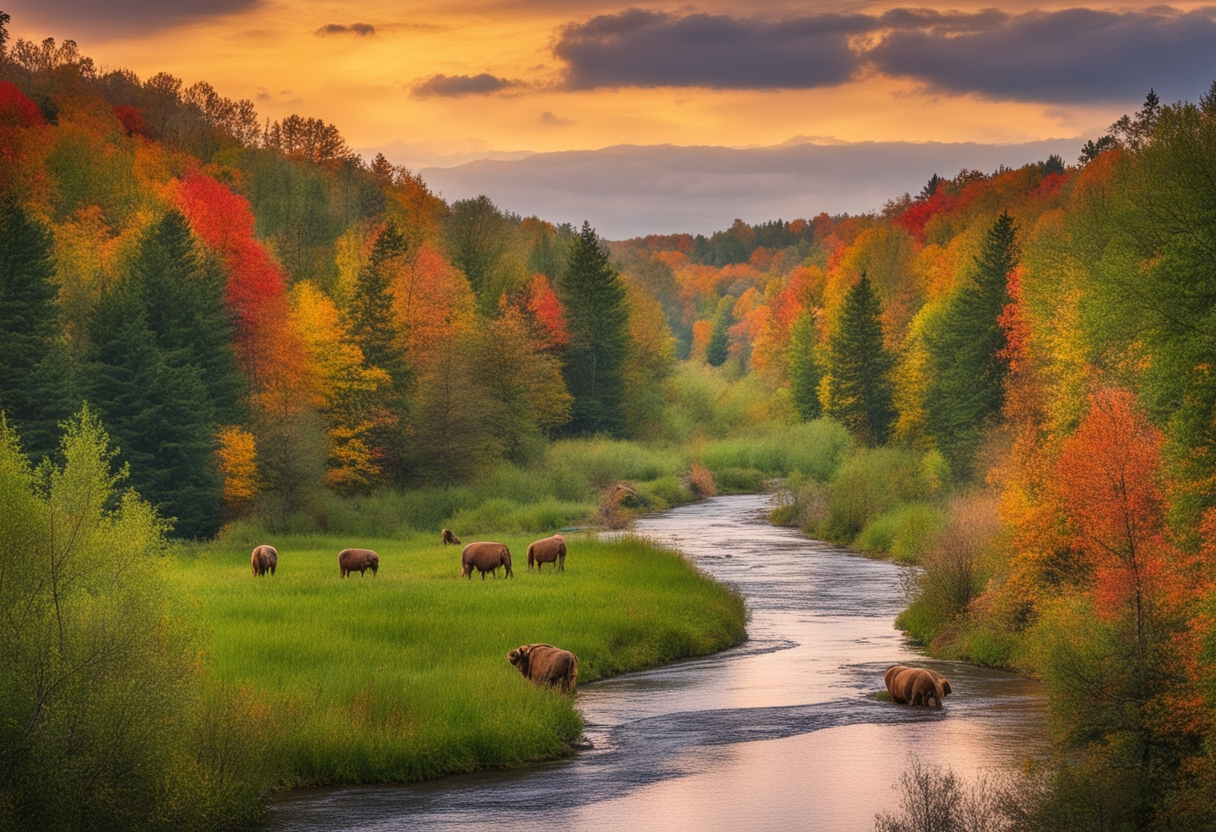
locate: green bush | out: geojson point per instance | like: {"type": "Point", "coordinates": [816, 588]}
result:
{"type": "Point", "coordinates": [664, 492]}
{"type": "Point", "coordinates": [816, 449]}
{"type": "Point", "coordinates": [904, 532]}
{"type": "Point", "coordinates": [870, 483]}
{"type": "Point", "coordinates": [738, 480]}
{"type": "Point", "coordinates": [103, 721]}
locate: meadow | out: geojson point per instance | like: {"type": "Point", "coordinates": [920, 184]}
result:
{"type": "Point", "coordinates": [404, 676]}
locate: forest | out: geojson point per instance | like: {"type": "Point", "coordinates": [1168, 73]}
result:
{"type": "Point", "coordinates": [216, 327]}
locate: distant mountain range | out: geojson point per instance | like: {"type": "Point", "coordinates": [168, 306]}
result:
{"type": "Point", "coordinates": [631, 190]}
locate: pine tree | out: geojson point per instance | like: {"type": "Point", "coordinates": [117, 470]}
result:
{"type": "Point", "coordinates": [159, 415]}
{"type": "Point", "coordinates": [805, 372]}
{"type": "Point", "coordinates": [967, 373]}
{"type": "Point", "coordinates": [35, 376]}
{"type": "Point", "coordinates": [718, 348]}
{"type": "Point", "coordinates": [369, 317]}
{"type": "Point", "coordinates": [598, 317]}
{"type": "Point", "coordinates": [183, 299]}
{"type": "Point", "coordinates": [862, 397]}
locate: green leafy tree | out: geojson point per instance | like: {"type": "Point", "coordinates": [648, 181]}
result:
{"type": "Point", "coordinates": [36, 385]}
{"type": "Point", "coordinates": [598, 317]}
{"type": "Point", "coordinates": [861, 395]}
{"type": "Point", "coordinates": [805, 370]}
{"type": "Point", "coordinates": [967, 371]}
{"type": "Point", "coordinates": [103, 724]}
{"type": "Point", "coordinates": [485, 244]}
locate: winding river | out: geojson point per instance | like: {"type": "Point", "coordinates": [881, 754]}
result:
{"type": "Point", "coordinates": [780, 733]}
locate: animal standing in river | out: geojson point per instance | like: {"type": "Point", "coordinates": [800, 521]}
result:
{"type": "Point", "coordinates": [916, 686]}
{"type": "Point", "coordinates": [548, 550]}
{"type": "Point", "coordinates": [485, 557]}
{"type": "Point", "coordinates": [264, 559]}
{"type": "Point", "coordinates": [545, 664]}
{"type": "Point", "coordinates": [448, 537]}
{"type": "Point", "coordinates": [358, 560]}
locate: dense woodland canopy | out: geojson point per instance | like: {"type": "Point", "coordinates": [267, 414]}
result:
{"type": "Point", "coordinates": [260, 319]}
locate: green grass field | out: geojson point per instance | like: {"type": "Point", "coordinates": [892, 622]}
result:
{"type": "Point", "coordinates": [404, 676]}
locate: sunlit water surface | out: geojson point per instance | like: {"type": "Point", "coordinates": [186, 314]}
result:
{"type": "Point", "coordinates": [781, 733]}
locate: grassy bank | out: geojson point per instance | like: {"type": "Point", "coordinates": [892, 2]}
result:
{"type": "Point", "coordinates": [404, 676]}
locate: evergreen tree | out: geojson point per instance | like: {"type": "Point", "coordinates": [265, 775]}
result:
{"type": "Point", "coordinates": [159, 415]}
{"type": "Point", "coordinates": [183, 299]}
{"type": "Point", "coordinates": [967, 374]}
{"type": "Point", "coordinates": [35, 374]}
{"type": "Point", "coordinates": [805, 372]}
{"type": "Point", "coordinates": [598, 317]}
{"type": "Point", "coordinates": [862, 397]}
{"type": "Point", "coordinates": [718, 348]}
{"type": "Point", "coordinates": [369, 317]}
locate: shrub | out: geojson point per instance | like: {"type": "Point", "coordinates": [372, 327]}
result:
{"type": "Point", "coordinates": [102, 720]}
{"type": "Point", "coordinates": [701, 481]}
{"type": "Point", "coordinates": [904, 532]}
{"type": "Point", "coordinates": [871, 482]}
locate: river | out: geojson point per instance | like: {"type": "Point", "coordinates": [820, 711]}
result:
{"type": "Point", "coordinates": [780, 733]}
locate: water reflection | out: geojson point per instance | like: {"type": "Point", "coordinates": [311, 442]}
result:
{"type": "Point", "coordinates": [779, 733]}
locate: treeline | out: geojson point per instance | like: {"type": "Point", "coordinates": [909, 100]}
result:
{"type": "Point", "coordinates": [262, 319]}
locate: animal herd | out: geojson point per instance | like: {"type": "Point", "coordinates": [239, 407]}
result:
{"type": "Point", "coordinates": [543, 664]}
{"type": "Point", "coordinates": [550, 666]}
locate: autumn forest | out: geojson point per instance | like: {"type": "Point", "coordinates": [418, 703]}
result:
{"type": "Point", "coordinates": [1006, 381]}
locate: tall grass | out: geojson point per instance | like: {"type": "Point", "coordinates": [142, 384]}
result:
{"type": "Point", "coordinates": [404, 676]}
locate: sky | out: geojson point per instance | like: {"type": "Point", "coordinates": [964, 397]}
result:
{"type": "Point", "coordinates": [439, 84]}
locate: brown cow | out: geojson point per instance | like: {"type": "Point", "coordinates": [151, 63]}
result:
{"type": "Point", "coordinates": [447, 537]}
{"type": "Point", "coordinates": [916, 686]}
{"type": "Point", "coordinates": [545, 664]}
{"type": "Point", "coordinates": [548, 550]}
{"type": "Point", "coordinates": [358, 560]}
{"type": "Point", "coordinates": [485, 557]}
{"type": "Point", "coordinates": [264, 559]}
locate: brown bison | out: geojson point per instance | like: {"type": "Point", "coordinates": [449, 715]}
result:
{"type": "Point", "coordinates": [545, 664]}
{"type": "Point", "coordinates": [447, 537]}
{"type": "Point", "coordinates": [358, 560]}
{"type": "Point", "coordinates": [549, 550]}
{"type": "Point", "coordinates": [485, 557]}
{"type": "Point", "coordinates": [264, 559]}
{"type": "Point", "coordinates": [916, 686]}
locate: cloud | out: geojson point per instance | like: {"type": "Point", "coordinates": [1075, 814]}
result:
{"type": "Point", "coordinates": [360, 29]}
{"type": "Point", "coordinates": [547, 119]}
{"type": "Point", "coordinates": [83, 19]}
{"type": "Point", "coordinates": [1076, 55]}
{"type": "Point", "coordinates": [639, 48]}
{"type": "Point", "coordinates": [628, 191]}
{"type": "Point", "coordinates": [456, 86]}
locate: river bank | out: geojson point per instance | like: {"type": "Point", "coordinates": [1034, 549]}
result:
{"type": "Point", "coordinates": [403, 676]}
{"type": "Point", "coordinates": [782, 729]}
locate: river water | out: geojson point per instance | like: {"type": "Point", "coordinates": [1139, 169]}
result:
{"type": "Point", "coordinates": [780, 733]}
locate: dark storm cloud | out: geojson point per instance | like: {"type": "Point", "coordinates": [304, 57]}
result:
{"type": "Point", "coordinates": [639, 48]}
{"type": "Point", "coordinates": [85, 20]}
{"type": "Point", "coordinates": [1076, 55]}
{"type": "Point", "coordinates": [456, 86]}
{"type": "Point", "coordinates": [361, 29]}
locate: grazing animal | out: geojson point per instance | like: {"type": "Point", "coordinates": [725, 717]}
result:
{"type": "Point", "coordinates": [448, 537]}
{"type": "Point", "coordinates": [916, 686]}
{"type": "Point", "coordinates": [264, 559]}
{"type": "Point", "coordinates": [545, 664]}
{"type": "Point", "coordinates": [358, 560]}
{"type": "Point", "coordinates": [485, 557]}
{"type": "Point", "coordinates": [548, 550]}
